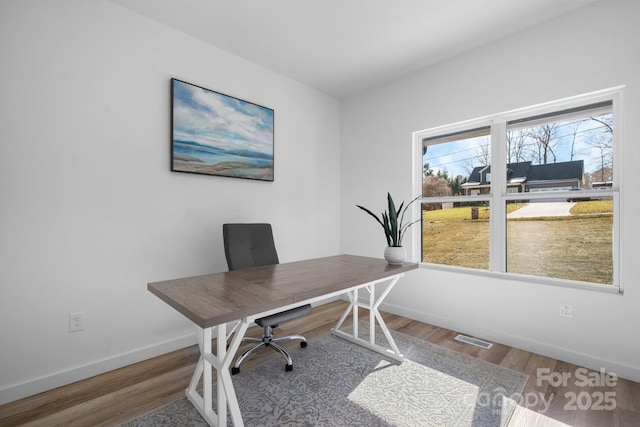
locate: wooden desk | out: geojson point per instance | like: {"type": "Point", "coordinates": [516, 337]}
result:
{"type": "Point", "coordinates": [213, 300]}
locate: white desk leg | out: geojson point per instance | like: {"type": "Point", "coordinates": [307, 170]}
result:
{"type": "Point", "coordinates": [222, 394]}
{"type": "Point", "coordinates": [221, 361]}
{"type": "Point", "coordinates": [225, 358]}
{"type": "Point", "coordinates": [375, 304]}
{"type": "Point", "coordinates": [374, 315]}
{"type": "Point", "coordinates": [355, 312]}
{"type": "Point", "coordinates": [347, 311]}
{"type": "Point", "coordinates": [203, 403]}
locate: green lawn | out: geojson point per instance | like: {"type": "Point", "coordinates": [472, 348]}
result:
{"type": "Point", "coordinates": [578, 247]}
{"type": "Point", "coordinates": [592, 207]}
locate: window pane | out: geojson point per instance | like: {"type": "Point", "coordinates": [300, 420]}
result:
{"type": "Point", "coordinates": [568, 238]}
{"type": "Point", "coordinates": [456, 234]}
{"type": "Point", "coordinates": [567, 150]}
{"type": "Point", "coordinates": [457, 164]}
{"type": "Point", "coordinates": [561, 239]}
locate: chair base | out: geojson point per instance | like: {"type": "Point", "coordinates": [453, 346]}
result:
{"type": "Point", "coordinates": [269, 341]}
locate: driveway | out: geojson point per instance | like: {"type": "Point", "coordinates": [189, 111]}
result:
{"type": "Point", "coordinates": [541, 209]}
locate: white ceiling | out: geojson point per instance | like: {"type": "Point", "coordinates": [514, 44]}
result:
{"type": "Point", "coordinates": [345, 46]}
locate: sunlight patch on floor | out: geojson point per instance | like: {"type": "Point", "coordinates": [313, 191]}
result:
{"type": "Point", "coordinates": [400, 394]}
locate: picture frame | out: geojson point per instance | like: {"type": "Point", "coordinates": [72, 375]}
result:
{"type": "Point", "coordinates": [217, 134]}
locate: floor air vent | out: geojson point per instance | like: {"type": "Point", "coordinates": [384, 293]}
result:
{"type": "Point", "coordinates": [473, 341]}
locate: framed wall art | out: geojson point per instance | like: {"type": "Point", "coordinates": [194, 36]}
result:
{"type": "Point", "coordinates": [217, 134]}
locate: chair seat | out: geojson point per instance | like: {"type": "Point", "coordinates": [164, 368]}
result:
{"type": "Point", "coordinates": [284, 316]}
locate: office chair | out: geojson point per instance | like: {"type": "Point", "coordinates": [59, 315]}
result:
{"type": "Point", "coordinates": [252, 245]}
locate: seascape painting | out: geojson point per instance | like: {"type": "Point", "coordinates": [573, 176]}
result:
{"type": "Point", "coordinates": [216, 134]}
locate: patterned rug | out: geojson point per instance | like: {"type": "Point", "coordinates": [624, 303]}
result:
{"type": "Point", "coordinates": [337, 383]}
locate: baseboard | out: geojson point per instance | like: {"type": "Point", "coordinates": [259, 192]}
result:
{"type": "Point", "coordinates": [581, 359]}
{"type": "Point", "coordinates": [58, 379]}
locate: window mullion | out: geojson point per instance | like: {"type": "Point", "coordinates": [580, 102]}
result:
{"type": "Point", "coordinates": [618, 130]}
{"type": "Point", "coordinates": [498, 217]}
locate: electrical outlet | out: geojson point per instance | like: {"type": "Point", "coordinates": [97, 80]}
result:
{"type": "Point", "coordinates": [566, 309]}
{"type": "Point", "coordinates": [76, 321]}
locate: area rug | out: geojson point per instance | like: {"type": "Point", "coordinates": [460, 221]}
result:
{"type": "Point", "coordinates": [337, 383]}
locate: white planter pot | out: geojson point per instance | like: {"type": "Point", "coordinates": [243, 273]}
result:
{"type": "Point", "coordinates": [395, 254]}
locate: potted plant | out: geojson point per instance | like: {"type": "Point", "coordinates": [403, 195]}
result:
{"type": "Point", "coordinates": [392, 222]}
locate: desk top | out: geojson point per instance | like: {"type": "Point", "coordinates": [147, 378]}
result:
{"type": "Point", "coordinates": [217, 298]}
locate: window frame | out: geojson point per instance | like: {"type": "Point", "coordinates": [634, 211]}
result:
{"type": "Point", "coordinates": [499, 195]}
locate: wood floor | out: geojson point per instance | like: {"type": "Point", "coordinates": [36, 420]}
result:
{"type": "Point", "coordinates": [117, 396]}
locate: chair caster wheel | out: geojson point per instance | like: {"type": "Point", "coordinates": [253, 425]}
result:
{"type": "Point", "coordinates": [303, 344]}
{"type": "Point", "coordinates": [235, 370]}
{"type": "Point", "coordinates": [288, 368]}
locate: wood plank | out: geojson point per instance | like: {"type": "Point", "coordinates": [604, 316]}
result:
{"type": "Point", "coordinates": [214, 299]}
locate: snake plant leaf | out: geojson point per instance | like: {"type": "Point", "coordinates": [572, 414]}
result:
{"type": "Point", "coordinates": [387, 229]}
{"type": "Point", "coordinates": [383, 223]}
{"type": "Point", "coordinates": [407, 208]}
{"type": "Point", "coordinates": [406, 227]}
{"type": "Point", "coordinates": [372, 214]}
{"type": "Point", "coordinates": [393, 220]}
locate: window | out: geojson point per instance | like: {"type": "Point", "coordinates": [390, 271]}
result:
{"type": "Point", "coordinates": [548, 211]}
{"type": "Point", "coordinates": [450, 163]}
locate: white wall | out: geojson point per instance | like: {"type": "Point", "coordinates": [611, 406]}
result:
{"type": "Point", "coordinates": [89, 211]}
{"type": "Point", "coordinates": [590, 49]}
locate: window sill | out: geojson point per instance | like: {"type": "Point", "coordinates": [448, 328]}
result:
{"type": "Point", "coordinates": [611, 289]}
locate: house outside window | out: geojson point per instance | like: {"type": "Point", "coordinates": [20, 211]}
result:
{"type": "Point", "coordinates": [547, 212]}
